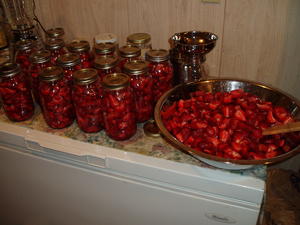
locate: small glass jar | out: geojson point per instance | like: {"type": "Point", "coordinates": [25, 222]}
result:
{"type": "Point", "coordinates": [56, 47]}
{"type": "Point", "coordinates": [128, 53]}
{"type": "Point", "coordinates": [15, 93]}
{"type": "Point", "coordinates": [56, 98]}
{"type": "Point", "coordinates": [103, 49]}
{"type": "Point", "coordinates": [118, 111]}
{"type": "Point", "coordinates": [55, 33]}
{"type": "Point", "coordinates": [140, 40]}
{"type": "Point", "coordinates": [161, 71]}
{"type": "Point", "coordinates": [24, 48]}
{"type": "Point", "coordinates": [106, 65]}
{"type": "Point", "coordinates": [82, 48]}
{"type": "Point", "coordinates": [87, 98]}
{"type": "Point", "coordinates": [39, 60]}
{"type": "Point", "coordinates": [142, 84]}
{"type": "Point", "coordinates": [70, 62]}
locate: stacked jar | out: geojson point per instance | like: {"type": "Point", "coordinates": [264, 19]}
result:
{"type": "Point", "coordinates": [142, 85]}
{"type": "Point", "coordinates": [161, 71]}
{"type": "Point", "coordinates": [56, 98]}
{"type": "Point", "coordinates": [106, 65]}
{"type": "Point", "coordinates": [87, 97]}
{"type": "Point", "coordinates": [56, 47]}
{"type": "Point", "coordinates": [119, 109]}
{"type": "Point", "coordinates": [15, 93]}
{"type": "Point", "coordinates": [127, 54]}
{"type": "Point", "coordinates": [82, 48]}
{"type": "Point", "coordinates": [103, 49]}
{"type": "Point", "coordinates": [70, 62]}
{"type": "Point", "coordinates": [24, 48]}
{"type": "Point", "coordinates": [140, 40]}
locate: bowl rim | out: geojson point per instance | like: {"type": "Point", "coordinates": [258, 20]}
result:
{"type": "Point", "coordinates": [165, 133]}
{"type": "Point", "coordinates": [214, 40]}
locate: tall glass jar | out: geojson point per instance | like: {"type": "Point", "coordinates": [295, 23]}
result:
{"type": "Point", "coordinates": [15, 93]}
{"type": "Point", "coordinates": [103, 49]}
{"type": "Point", "coordinates": [24, 48]}
{"type": "Point", "coordinates": [82, 48]}
{"type": "Point", "coordinates": [70, 62]}
{"type": "Point", "coordinates": [140, 40]}
{"type": "Point", "coordinates": [55, 33]}
{"type": "Point", "coordinates": [87, 98]}
{"type": "Point", "coordinates": [39, 60]}
{"type": "Point", "coordinates": [161, 71]}
{"type": "Point", "coordinates": [56, 98]}
{"type": "Point", "coordinates": [142, 84]}
{"type": "Point", "coordinates": [128, 53]}
{"type": "Point", "coordinates": [119, 112]}
{"type": "Point", "coordinates": [56, 47]}
{"type": "Point", "coordinates": [106, 65]}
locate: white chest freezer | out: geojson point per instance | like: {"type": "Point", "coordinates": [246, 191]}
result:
{"type": "Point", "coordinates": [48, 179]}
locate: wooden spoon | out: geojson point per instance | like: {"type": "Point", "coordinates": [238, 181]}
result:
{"type": "Point", "coordinates": [284, 128]}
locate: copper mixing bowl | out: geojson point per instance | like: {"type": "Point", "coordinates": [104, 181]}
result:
{"type": "Point", "coordinates": [263, 91]}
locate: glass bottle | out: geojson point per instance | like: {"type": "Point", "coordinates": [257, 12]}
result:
{"type": "Point", "coordinates": [82, 48]}
{"type": "Point", "coordinates": [56, 98]}
{"type": "Point", "coordinates": [140, 40]}
{"type": "Point", "coordinates": [55, 33]}
{"type": "Point", "coordinates": [70, 62]}
{"type": "Point", "coordinates": [103, 49]}
{"type": "Point", "coordinates": [118, 111]}
{"type": "Point", "coordinates": [161, 71]}
{"type": "Point", "coordinates": [15, 93]}
{"type": "Point", "coordinates": [142, 84]}
{"type": "Point", "coordinates": [24, 48]}
{"type": "Point", "coordinates": [87, 98]}
{"type": "Point", "coordinates": [56, 47]}
{"type": "Point", "coordinates": [106, 65]}
{"type": "Point", "coordinates": [128, 53]}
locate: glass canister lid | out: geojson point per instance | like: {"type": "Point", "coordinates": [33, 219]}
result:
{"type": "Point", "coordinates": [40, 56]}
{"type": "Point", "coordinates": [128, 51]}
{"type": "Point", "coordinates": [56, 32]}
{"type": "Point", "coordinates": [157, 55]}
{"type": "Point", "coordinates": [9, 69]}
{"type": "Point", "coordinates": [53, 44]}
{"type": "Point", "coordinates": [136, 67]}
{"type": "Point", "coordinates": [68, 59]}
{"type": "Point", "coordinates": [85, 76]}
{"type": "Point", "coordinates": [105, 48]}
{"type": "Point", "coordinates": [139, 38]}
{"type": "Point", "coordinates": [51, 73]}
{"type": "Point", "coordinates": [106, 62]}
{"type": "Point", "coordinates": [79, 46]}
{"type": "Point", "coordinates": [115, 81]}
{"type": "Point", "coordinates": [24, 44]}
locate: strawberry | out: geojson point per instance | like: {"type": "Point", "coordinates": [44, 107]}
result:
{"type": "Point", "coordinates": [240, 115]}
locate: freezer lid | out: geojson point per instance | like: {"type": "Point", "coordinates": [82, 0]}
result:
{"type": "Point", "coordinates": [195, 178]}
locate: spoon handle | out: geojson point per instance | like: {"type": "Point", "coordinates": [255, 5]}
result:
{"type": "Point", "coordinates": [285, 128]}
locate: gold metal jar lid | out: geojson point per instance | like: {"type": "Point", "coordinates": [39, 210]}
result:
{"type": "Point", "coordinates": [85, 76]}
{"type": "Point", "coordinates": [115, 81]}
{"type": "Point", "coordinates": [51, 73]}
{"type": "Point", "coordinates": [9, 69]}
{"type": "Point", "coordinates": [128, 51]}
{"type": "Point", "coordinates": [157, 55]}
{"type": "Point", "coordinates": [136, 67]}
{"type": "Point", "coordinates": [106, 62]}
{"type": "Point", "coordinates": [105, 48]}
{"type": "Point", "coordinates": [78, 46]}
{"type": "Point", "coordinates": [139, 38]}
{"type": "Point", "coordinates": [40, 56]}
{"type": "Point", "coordinates": [54, 44]}
{"type": "Point", "coordinates": [24, 44]}
{"type": "Point", "coordinates": [57, 32]}
{"type": "Point", "coordinates": [68, 59]}
{"type": "Point", "coordinates": [151, 129]}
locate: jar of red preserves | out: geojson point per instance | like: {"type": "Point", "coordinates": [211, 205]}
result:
{"type": "Point", "coordinates": [15, 93]}
{"type": "Point", "coordinates": [24, 48]}
{"type": "Point", "coordinates": [142, 84]}
{"type": "Point", "coordinates": [39, 60]}
{"type": "Point", "coordinates": [128, 53]}
{"type": "Point", "coordinates": [56, 98]}
{"type": "Point", "coordinates": [140, 40]}
{"type": "Point", "coordinates": [56, 47]}
{"type": "Point", "coordinates": [161, 71]}
{"type": "Point", "coordinates": [87, 97]}
{"type": "Point", "coordinates": [82, 48]}
{"type": "Point", "coordinates": [106, 65]}
{"type": "Point", "coordinates": [119, 113]}
{"type": "Point", "coordinates": [103, 49]}
{"type": "Point", "coordinates": [55, 33]}
{"type": "Point", "coordinates": [70, 62]}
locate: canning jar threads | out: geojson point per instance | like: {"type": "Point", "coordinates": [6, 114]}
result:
{"type": "Point", "coordinates": [24, 48]}
{"type": "Point", "coordinates": [118, 107]}
{"type": "Point", "coordinates": [56, 98]}
{"type": "Point", "coordinates": [70, 62]}
{"type": "Point", "coordinates": [56, 47]}
{"type": "Point", "coordinates": [161, 71]}
{"type": "Point", "coordinates": [128, 53]}
{"type": "Point", "coordinates": [103, 49]}
{"type": "Point", "coordinates": [15, 93]}
{"type": "Point", "coordinates": [82, 48]}
{"type": "Point", "coordinates": [140, 40]}
{"type": "Point", "coordinates": [142, 84]}
{"type": "Point", "coordinates": [106, 65]}
{"type": "Point", "coordinates": [55, 33]}
{"type": "Point", "coordinates": [87, 98]}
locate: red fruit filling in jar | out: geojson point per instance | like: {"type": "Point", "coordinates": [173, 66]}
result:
{"type": "Point", "coordinates": [24, 48]}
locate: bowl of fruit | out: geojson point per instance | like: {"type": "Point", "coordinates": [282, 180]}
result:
{"type": "Point", "coordinates": [221, 122]}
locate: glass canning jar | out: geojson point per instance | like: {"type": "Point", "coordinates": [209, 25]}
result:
{"type": "Point", "coordinates": [140, 40]}
{"type": "Point", "coordinates": [56, 98]}
{"type": "Point", "coordinates": [103, 49]}
{"type": "Point", "coordinates": [128, 53]}
{"type": "Point", "coordinates": [70, 62]}
{"type": "Point", "coordinates": [106, 65]}
{"type": "Point", "coordinates": [87, 98]}
{"type": "Point", "coordinates": [142, 84]}
{"type": "Point", "coordinates": [24, 48]}
{"type": "Point", "coordinates": [56, 47]}
{"type": "Point", "coordinates": [118, 111]}
{"type": "Point", "coordinates": [82, 48]}
{"type": "Point", "coordinates": [55, 33]}
{"type": "Point", "coordinates": [15, 93]}
{"type": "Point", "coordinates": [161, 71]}
{"type": "Point", "coordinates": [39, 60]}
